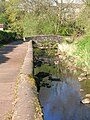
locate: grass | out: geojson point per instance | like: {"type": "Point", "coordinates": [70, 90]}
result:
{"type": "Point", "coordinates": [79, 51]}
{"type": "Point", "coordinates": [83, 52]}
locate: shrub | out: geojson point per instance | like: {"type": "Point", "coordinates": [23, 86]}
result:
{"type": "Point", "coordinates": [7, 37]}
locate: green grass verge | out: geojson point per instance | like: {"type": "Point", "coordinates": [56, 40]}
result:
{"type": "Point", "coordinates": [83, 51]}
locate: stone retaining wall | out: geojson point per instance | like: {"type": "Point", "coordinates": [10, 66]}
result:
{"type": "Point", "coordinates": [45, 37]}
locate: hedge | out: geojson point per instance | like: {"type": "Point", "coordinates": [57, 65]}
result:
{"type": "Point", "coordinates": [7, 37]}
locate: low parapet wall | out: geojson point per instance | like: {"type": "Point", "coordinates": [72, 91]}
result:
{"type": "Point", "coordinates": [26, 102]}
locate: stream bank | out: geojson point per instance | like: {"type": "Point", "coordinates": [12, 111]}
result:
{"type": "Point", "coordinates": [69, 61]}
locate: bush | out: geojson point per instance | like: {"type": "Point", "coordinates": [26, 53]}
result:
{"type": "Point", "coordinates": [7, 37]}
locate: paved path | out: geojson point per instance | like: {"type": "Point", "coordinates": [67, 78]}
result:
{"type": "Point", "coordinates": [11, 59]}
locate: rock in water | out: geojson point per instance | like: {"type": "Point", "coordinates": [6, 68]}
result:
{"type": "Point", "coordinates": [87, 95]}
{"type": "Point", "coordinates": [86, 101]}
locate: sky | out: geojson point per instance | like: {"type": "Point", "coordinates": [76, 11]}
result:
{"type": "Point", "coordinates": [75, 1]}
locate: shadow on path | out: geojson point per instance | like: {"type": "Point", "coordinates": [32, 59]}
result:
{"type": "Point", "coordinates": [7, 49]}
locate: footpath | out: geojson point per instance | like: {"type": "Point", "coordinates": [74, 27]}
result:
{"type": "Point", "coordinates": [11, 60]}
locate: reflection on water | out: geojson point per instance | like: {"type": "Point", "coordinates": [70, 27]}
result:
{"type": "Point", "coordinates": [60, 98]}
{"type": "Point", "coordinates": [62, 101]}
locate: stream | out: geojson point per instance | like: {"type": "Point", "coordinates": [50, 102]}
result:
{"type": "Point", "coordinates": [60, 95]}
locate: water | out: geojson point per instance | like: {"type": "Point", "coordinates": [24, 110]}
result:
{"type": "Point", "coordinates": [60, 97]}
{"type": "Point", "coordinates": [62, 101]}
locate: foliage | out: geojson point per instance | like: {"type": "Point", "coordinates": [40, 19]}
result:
{"type": "Point", "coordinates": [2, 6]}
{"type": "Point", "coordinates": [83, 22]}
{"type": "Point", "coordinates": [87, 2]}
{"type": "Point", "coordinates": [3, 17]}
{"type": "Point", "coordinates": [6, 37]}
{"type": "Point", "coordinates": [45, 27]}
{"type": "Point", "coordinates": [38, 17]}
{"type": "Point", "coordinates": [15, 16]}
{"type": "Point", "coordinates": [30, 23]}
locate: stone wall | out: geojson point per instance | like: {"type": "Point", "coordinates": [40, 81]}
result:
{"type": "Point", "coordinates": [26, 102]}
{"type": "Point", "coordinates": [46, 37]}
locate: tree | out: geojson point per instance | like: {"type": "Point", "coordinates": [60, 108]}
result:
{"type": "Point", "coordinates": [43, 16]}
{"type": "Point", "coordinates": [3, 17]}
{"type": "Point", "coordinates": [84, 19]}
{"type": "Point", "coordinates": [15, 16]}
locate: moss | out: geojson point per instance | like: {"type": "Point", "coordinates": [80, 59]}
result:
{"type": "Point", "coordinates": [38, 111]}
{"type": "Point", "coordinates": [9, 115]}
{"type": "Point", "coordinates": [38, 115]}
